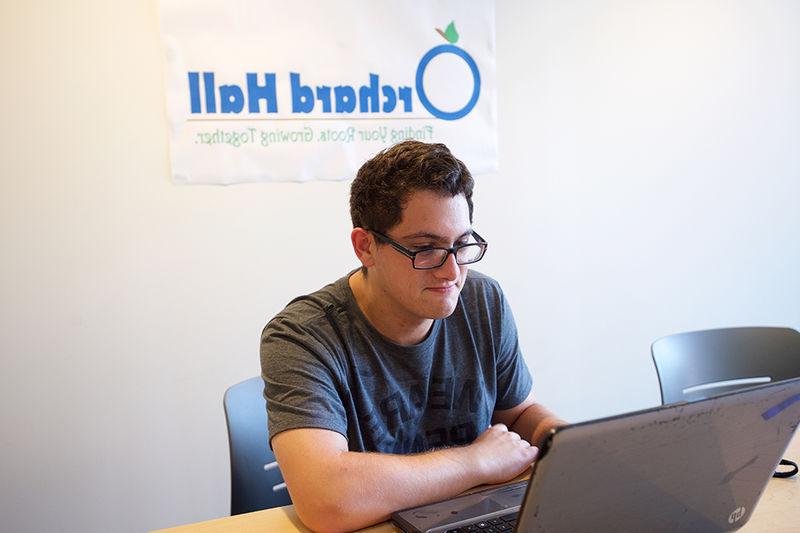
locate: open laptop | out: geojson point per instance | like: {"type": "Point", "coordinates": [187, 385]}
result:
{"type": "Point", "coordinates": [699, 466]}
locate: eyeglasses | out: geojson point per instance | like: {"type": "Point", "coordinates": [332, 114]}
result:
{"type": "Point", "coordinates": [430, 258]}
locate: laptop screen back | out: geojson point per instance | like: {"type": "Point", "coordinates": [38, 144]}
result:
{"type": "Point", "coordinates": [692, 467]}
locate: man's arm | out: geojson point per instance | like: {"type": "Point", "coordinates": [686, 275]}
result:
{"type": "Point", "coordinates": [334, 489]}
{"type": "Point", "coordinates": [529, 419]}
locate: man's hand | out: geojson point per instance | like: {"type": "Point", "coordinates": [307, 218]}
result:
{"type": "Point", "coordinates": [499, 454]}
{"type": "Point", "coordinates": [530, 419]}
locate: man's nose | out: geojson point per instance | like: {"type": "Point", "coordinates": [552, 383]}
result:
{"type": "Point", "coordinates": [449, 269]}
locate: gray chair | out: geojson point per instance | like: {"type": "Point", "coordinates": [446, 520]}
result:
{"type": "Point", "coordinates": [253, 487]}
{"type": "Point", "coordinates": [700, 364]}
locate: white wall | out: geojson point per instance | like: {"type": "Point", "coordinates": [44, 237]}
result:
{"type": "Point", "coordinates": [649, 183]}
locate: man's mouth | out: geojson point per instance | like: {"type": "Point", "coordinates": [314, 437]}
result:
{"type": "Point", "coordinates": [444, 289]}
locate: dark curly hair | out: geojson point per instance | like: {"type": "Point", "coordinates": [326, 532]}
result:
{"type": "Point", "coordinates": [383, 184]}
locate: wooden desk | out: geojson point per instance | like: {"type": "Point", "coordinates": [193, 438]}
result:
{"type": "Point", "coordinates": [778, 511]}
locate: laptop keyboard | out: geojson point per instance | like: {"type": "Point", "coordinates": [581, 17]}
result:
{"type": "Point", "coordinates": [498, 524]}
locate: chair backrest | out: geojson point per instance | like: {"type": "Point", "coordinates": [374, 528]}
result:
{"type": "Point", "coordinates": [700, 364]}
{"type": "Point", "coordinates": [248, 439]}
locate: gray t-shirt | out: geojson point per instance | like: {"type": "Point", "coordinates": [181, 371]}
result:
{"type": "Point", "coordinates": [325, 366]}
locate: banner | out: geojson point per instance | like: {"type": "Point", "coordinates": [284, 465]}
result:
{"type": "Point", "coordinates": [273, 90]}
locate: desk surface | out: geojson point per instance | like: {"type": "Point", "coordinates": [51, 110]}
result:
{"type": "Point", "coordinates": [778, 511]}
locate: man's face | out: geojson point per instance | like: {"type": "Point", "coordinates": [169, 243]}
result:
{"type": "Point", "coordinates": [429, 219]}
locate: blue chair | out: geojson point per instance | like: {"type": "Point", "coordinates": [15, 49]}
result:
{"type": "Point", "coordinates": [252, 486]}
{"type": "Point", "coordinates": [700, 364]}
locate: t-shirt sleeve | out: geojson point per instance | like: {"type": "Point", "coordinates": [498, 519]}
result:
{"type": "Point", "coordinates": [513, 377]}
{"type": "Point", "coordinates": [300, 379]}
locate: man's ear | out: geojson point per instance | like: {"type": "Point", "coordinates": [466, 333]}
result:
{"type": "Point", "coordinates": [364, 246]}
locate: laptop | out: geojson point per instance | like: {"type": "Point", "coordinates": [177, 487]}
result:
{"type": "Point", "coordinates": [698, 466]}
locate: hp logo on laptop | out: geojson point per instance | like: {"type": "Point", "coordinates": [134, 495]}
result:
{"type": "Point", "coordinates": [737, 515]}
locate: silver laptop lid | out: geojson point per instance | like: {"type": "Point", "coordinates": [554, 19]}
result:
{"type": "Point", "coordinates": [687, 467]}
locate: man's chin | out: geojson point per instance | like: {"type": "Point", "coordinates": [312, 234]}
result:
{"type": "Point", "coordinates": [442, 311]}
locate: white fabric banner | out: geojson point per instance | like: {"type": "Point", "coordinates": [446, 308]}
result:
{"type": "Point", "coordinates": [268, 90]}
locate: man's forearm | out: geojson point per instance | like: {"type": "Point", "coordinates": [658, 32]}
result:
{"type": "Point", "coordinates": [365, 488]}
{"type": "Point", "coordinates": [535, 423]}
{"type": "Point", "coordinates": [335, 490]}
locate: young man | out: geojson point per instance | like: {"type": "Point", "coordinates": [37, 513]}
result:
{"type": "Point", "coordinates": [401, 383]}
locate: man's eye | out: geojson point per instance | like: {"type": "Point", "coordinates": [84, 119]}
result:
{"type": "Point", "coordinates": [426, 251]}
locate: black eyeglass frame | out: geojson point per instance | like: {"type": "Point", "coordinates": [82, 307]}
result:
{"type": "Point", "coordinates": [412, 254]}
